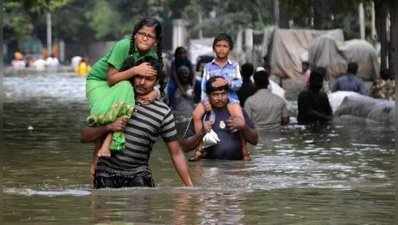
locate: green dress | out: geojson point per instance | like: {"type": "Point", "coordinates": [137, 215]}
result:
{"type": "Point", "coordinates": [107, 103]}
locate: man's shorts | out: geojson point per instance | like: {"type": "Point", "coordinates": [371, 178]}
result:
{"type": "Point", "coordinates": [142, 179]}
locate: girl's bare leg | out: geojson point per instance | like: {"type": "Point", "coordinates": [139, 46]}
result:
{"type": "Point", "coordinates": [105, 150]}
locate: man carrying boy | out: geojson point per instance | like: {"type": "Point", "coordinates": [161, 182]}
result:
{"type": "Point", "coordinates": [223, 124]}
{"type": "Point", "coordinates": [221, 66]}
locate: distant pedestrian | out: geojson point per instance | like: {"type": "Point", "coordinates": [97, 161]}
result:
{"type": "Point", "coordinates": [83, 68]}
{"type": "Point", "coordinates": [267, 110]}
{"type": "Point", "coordinates": [174, 84]}
{"type": "Point", "coordinates": [184, 97]}
{"type": "Point", "coordinates": [18, 62]}
{"type": "Point", "coordinates": [52, 62]}
{"type": "Point", "coordinates": [313, 104]}
{"type": "Point", "coordinates": [384, 87]}
{"type": "Point", "coordinates": [247, 89]}
{"type": "Point", "coordinates": [349, 81]}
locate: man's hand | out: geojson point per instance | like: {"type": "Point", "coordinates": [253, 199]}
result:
{"type": "Point", "coordinates": [119, 124]}
{"type": "Point", "coordinates": [236, 123]}
{"type": "Point", "coordinates": [206, 127]}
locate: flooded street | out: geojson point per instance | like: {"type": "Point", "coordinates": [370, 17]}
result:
{"type": "Point", "coordinates": [342, 174]}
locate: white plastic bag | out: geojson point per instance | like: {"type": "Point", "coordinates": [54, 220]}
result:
{"type": "Point", "coordinates": [210, 139]}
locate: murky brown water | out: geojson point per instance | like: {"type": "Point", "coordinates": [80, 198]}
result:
{"type": "Point", "coordinates": [342, 174]}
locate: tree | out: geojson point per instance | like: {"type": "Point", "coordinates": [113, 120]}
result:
{"type": "Point", "coordinates": [21, 17]}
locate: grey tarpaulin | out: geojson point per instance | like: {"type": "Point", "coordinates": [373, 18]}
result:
{"type": "Point", "coordinates": [335, 55]}
{"type": "Point", "coordinates": [367, 107]}
{"type": "Point", "coordinates": [289, 46]}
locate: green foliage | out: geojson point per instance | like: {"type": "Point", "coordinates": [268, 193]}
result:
{"type": "Point", "coordinates": [78, 20]}
{"type": "Point", "coordinates": [20, 15]}
{"type": "Point", "coordinates": [16, 20]}
{"type": "Point", "coordinates": [104, 19]}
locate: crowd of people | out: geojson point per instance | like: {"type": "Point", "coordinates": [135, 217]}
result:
{"type": "Point", "coordinates": [45, 62]}
{"type": "Point", "coordinates": [38, 63]}
{"type": "Point", "coordinates": [229, 105]}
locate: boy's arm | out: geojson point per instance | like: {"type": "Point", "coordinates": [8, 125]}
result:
{"type": "Point", "coordinates": [179, 162]}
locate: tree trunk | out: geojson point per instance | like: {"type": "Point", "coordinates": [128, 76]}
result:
{"type": "Point", "coordinates": [321, 13]}
{"type": "Point", "coordinates": [283, 17]}
{"type": "Point", "coordinates": [394, 37]}
{"type": "Point", "coordinates": [275, 14]}
{"type": "Point", "coordinates": [381, 28]}
{"type": "Point", "coordinates": [361, 15]}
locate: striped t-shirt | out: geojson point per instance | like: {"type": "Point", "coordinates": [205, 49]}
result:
{"type": "Point", "coordinates": [147, 123]}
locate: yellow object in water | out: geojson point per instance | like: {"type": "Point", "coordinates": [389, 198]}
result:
{"type": "Point", "coordinates": [82, 69]}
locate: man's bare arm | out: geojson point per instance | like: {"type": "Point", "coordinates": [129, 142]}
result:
{"type": "Point", "coordinates": [190, 143]}
{"type": "Point", "coordinates": [179, 162]}
{"type": "Point", "coordinates": [249, 134]}
{"type": "Point", "coordinates": [91, 134]}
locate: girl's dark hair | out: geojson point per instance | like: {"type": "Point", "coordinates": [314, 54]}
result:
{"type": "Point", "coordinates": [149, 22]}
{"type": "Point", "coordinates": [223, 37]}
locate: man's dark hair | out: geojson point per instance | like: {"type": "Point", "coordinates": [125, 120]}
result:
{"type": "Point", "coordinates": [223, 37]}
{"type": "Point", "coordinates": [210, 88]}
{"type": "Point", "coordinates": [261, 79]}
{"type": "Point", "coordinates": [247, 70]}
{"type": "Point", "coordinates": [352, 68]}
{"type": "Point", "coordinates": [316, 80]}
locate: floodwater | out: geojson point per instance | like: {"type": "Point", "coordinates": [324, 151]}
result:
{"type": "Point", "coordinates": [342, 174]}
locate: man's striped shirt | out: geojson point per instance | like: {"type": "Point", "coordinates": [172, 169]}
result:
{"type": "Point", "coordinates": [147, 123]}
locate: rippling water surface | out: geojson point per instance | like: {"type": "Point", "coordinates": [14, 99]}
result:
{"type": "Point", "coordinates": [342, 174]}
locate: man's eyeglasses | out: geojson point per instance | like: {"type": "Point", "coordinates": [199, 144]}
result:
{"type": "Point", "coordinates": [146, 35]}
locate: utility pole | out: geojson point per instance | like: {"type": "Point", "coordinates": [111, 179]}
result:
{"type": "Point", "coordinates": [200, 24]}
{"type": "Point", "coordinates": [49, 33]}
{"type": "Point", "coordinates": [361, 13]}
{"type": "Point", "coordinates": [373, 23]}
{"type": "Point", "coordinates": [276, 13]}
